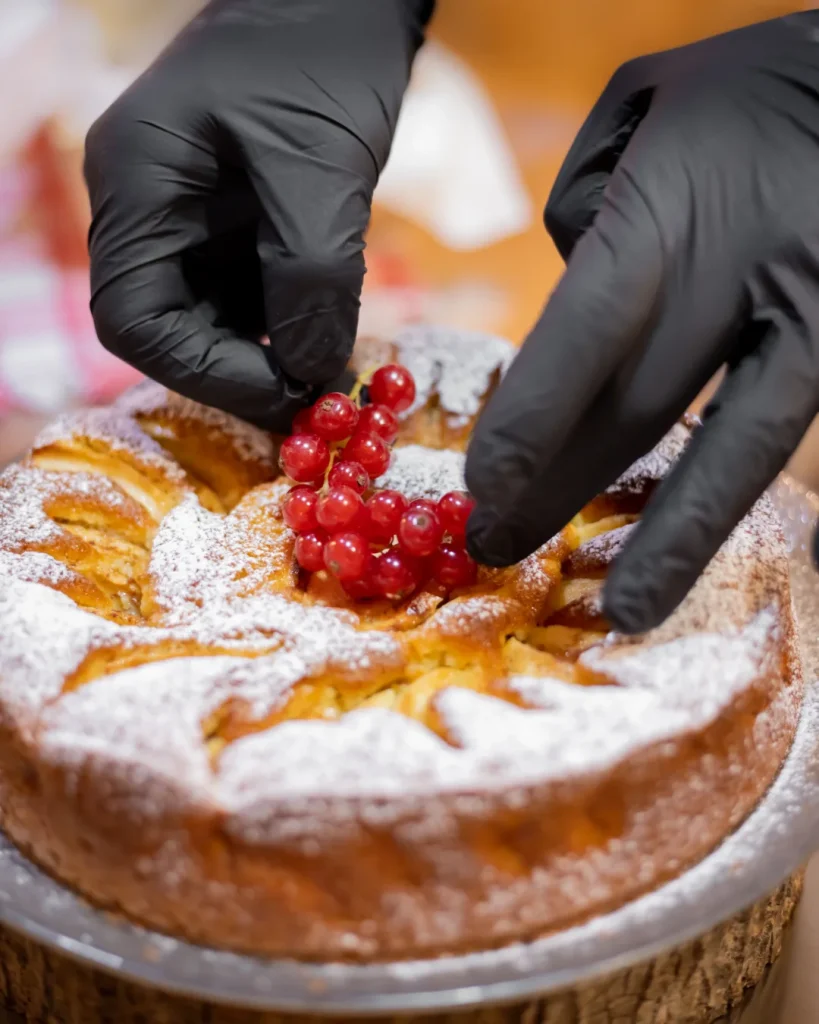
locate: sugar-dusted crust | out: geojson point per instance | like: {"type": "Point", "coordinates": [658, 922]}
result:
{"type": "Point", "coordinates": [191, 736]}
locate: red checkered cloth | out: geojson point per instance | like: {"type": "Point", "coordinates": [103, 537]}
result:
{"type": "Point", "coordinates": [50, 358]}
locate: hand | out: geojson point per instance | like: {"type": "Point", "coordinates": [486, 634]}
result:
{"type": "Point", "coordinates": [688, 212]}
{"type": "Point", "coordinates": [230, 189]}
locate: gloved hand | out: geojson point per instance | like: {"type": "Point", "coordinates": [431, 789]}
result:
{"type": "Point", "coordinates": [688, 212]}
{"type": "Point", "coordinates": [230, 189]}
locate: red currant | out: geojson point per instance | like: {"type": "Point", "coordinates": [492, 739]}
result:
{"type": "Point", "coordinates": [334, 417]}
{"type": "Point", "coordinates": [338, 508]}
{"type": "Point", "coordinates": [386, 509]}
{"type": "Point", "coordinates": [370, 451]}
{"type": "Point", "coordinates": [424, 503]}
{"type": "Point", "coordinates": [310, 550]}
{"type": "Point", "coordinates": [393, 386]}
{"type": "Point", "coordinates": [396, 574]}
{"type": "Point", "coordinates": [453, 511]}
{"type": "Point", "coordinates": [299, 509]}
{"type": "Point", "coordinates": [362, 523]}
{"type": "Point", "coordinates": [452, 567]}
{"type": "Point", "coordinates": [349, 474]}
{"type": "Point", "coordinates": [303, 457]}
{"type": "Point", "coordinates": [420, 531]}
{"type": "Point", "coordinates": [301, 422]}
{"type": "Point", "coordinates": [347, 555]}
{"type": "Point", "coordinates": [378, 419]}
{"type": "Point", "coordinates": [364, 587]}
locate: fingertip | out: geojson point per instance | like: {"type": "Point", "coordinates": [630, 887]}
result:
{"type": "Point", "coordinates": [627, 610]}
{"type": "Point", "coordinates": [344, 382]}
{"type": "Point", "coordinates": [316, 347]}
{"type": "Point", "coordinates": [644, 587]}
{"type": "Point", "coordinates": [487, 541]}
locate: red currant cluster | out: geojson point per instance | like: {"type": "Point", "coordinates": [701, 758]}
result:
{"type": "Point", "coordinates": [375, 542]}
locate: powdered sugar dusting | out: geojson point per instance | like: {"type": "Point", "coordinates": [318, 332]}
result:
{"type": "Point", "coordinates": [456, 365]}
{"type": "Point", "coordinates": [45, 637]}
{"type": "Point", "coordinates": [141, 729]}
{"type": "Point", "coordinates": [23, 523]}
{"type": "Point", "coordinates": [419, 472]}
{"type": "Point", "coordinates": [202, 559]}
{"type": "Point", "coordinates": [35, 567]}
{"type": "Point", "coordinates": [152, 400]}
{"type": "Point", "coordinates": [598, 552]}
{"type": "Point", "coordinates": [654, 465]}
{"type": "Point", "coordinates": [748, 574]}
{"type": "Point", "coordinates": [223, 587]}
{"type": "Point", "coordinates": [24, 490]}
{"type": "Point", "coordinates": [224, 577]}
{"type": "Point", "coordinates": [117, 431]}
{"type": "Point", "coordinates": [699, 672]}
{"type": "Point", "coordinates": [566, 730]}
{"type": "Point", "coordinates": [366, 752]}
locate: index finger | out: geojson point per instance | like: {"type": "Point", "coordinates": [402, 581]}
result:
{"type": "Point", "coordinates": [147, 318]}
{"type": "Point", "coordinates": [598, 315]}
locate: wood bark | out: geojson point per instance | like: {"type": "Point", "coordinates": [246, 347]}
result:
{"type": "Point", "coordinates": [725, 977]}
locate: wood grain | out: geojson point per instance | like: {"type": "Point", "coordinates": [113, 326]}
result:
{"type": "Point", "coordinates": [707, 981]}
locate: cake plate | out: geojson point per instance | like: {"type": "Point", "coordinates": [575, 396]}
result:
{"type": "Point", "coordinates": [740, 899]}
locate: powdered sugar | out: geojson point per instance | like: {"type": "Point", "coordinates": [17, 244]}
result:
{"type": "Point", "coordinates": [457, 366]}
{"type": "Point", "coordinates": [226, 584]}
{"type": "Point", "coordinates": [141, 730]}
{"type": "Point", "coordinates": [654, 465]}
{"type": "Point", "coordinates": [767, 847]}
{"type": "Point", "coordinates": [154, 401]}
{"type": "Point", "coordinates": [419, 472]}
{"type": "Point", "coordinates": [45, 636]}
{"type": "Point", "coordinates": [23, 522]}
{"type": "Point", "coordinates": [200, 559]}
{"type": "Point", "coordinates": [25, 492]}
{"type": "Point", "coordinates": [566, 730]}
{"type": "Point", "coordinates": [597, 553]}
{"type": "Point", "coordinates": [35, 567]}
{"type": "Point", "coordinates": [749, 573]}
{"type": "Point", "coordinates": [117, 432]}
{"type": "Point", "coordinates": [701, 672]}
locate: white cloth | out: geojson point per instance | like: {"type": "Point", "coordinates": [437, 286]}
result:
{"type": "Point", "coordinates": [451, 168]}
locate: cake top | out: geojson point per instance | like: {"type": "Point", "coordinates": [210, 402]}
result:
{"type": "Point", "coordinates": [235, 687]}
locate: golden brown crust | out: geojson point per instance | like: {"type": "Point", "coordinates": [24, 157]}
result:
{"type": "Point", "coordinates": [252, 764]}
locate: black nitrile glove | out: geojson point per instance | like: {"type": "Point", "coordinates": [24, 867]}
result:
{"type": "Point", "coordinates": [230, 188]}
{"type": "Point", "coordinates": [688, 211]}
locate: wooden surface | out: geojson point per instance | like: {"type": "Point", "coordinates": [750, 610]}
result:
{"type": "Point", "coordinates": [708, 981]}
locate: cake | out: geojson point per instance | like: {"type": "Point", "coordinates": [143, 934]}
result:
{"type": "Point", "coordinates": [194, 735]}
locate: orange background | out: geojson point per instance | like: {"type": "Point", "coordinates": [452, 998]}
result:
{"type": "Point", "coordinates": [544, 64]}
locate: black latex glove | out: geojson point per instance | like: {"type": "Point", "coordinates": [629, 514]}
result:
{"type": "Point", "coordinates": [230, 188]}
{"type": "Point", "coordinates": [688, 211]}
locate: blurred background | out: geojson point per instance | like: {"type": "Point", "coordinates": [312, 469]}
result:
{"type": "Point", "coordinates": [456, 235]}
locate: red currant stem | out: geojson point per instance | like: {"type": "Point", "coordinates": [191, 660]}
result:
{"type": "Point", "coordinates": [335, 447]}
{"type": "Point", "coordinates": [362, 381]}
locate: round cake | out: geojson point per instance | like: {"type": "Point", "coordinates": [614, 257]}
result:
{"type": "Point", "coordinates": [196, 734]}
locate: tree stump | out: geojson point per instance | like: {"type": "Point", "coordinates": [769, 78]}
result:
{"type": "Point", "coordinates": [720, 978]}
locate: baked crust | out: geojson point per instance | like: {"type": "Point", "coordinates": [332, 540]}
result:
{"type": "Point", "coordinates": [189, 735]}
